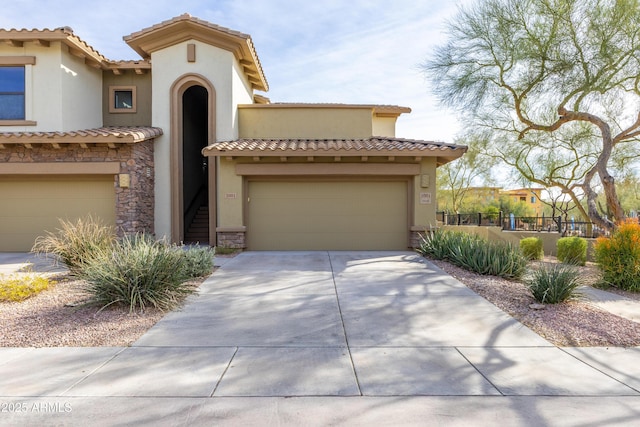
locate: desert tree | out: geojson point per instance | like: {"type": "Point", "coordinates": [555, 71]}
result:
{"type": "Point", "coordinates": [554, 78]}
{"type": "Point", "coordinates": [456, 178]}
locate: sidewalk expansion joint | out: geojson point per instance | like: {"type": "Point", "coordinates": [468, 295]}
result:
{"type": "Point", "coordinates": [344, 329]}
{"type": "Point", "coordinates": [226, 368]}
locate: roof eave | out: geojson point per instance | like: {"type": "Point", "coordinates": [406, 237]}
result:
{"type": "Point", "coordinates": [444, 154]}
{"type": "Point", "coordinates": [114, 136]}
{"type": "Point", "coordinates": [451, 155]}
{"type": "Point", "coordinates": [64, 35]}
{"type": "Point", "coordinates": [331, 153]}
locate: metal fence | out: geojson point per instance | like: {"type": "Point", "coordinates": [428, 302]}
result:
{"type": "Point", "coordinates": [532, 223]}
{"type": "Point", "coordinates": [491, 219]}
{"type": "Point", "coordinates": [514, 223]}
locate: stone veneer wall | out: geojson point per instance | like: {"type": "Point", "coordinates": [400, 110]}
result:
{"type": "Point", "coordinates": [135, 204]}
{"type": "Point", "coordinates": [231, 239]}
{"type": "Point", "coordinates": [415, 239]}
{"type": "Point", "coordinates": [416, 234]}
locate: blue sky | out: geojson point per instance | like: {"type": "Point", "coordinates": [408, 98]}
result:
{"type": "Point", "coordinates": [346, 51]}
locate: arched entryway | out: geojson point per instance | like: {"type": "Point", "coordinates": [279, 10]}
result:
{"type": "Point", "coordinates": [193, 110]}
{"type": "Point", "coordinates": [195, 114]}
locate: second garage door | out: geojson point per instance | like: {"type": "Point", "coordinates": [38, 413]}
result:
{"type": "Point", "coordinates": [32, 205]}
{"type": "Point", "coordinates": [327, 215]}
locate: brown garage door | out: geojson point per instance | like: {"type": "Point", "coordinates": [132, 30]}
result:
{"type": "Point", "coordinates": [33, 204]}
{"type": "Point", "coordinates": [316, 215]}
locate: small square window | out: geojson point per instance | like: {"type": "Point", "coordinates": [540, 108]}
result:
{"type": "Point", "coordinates": [122, 99]}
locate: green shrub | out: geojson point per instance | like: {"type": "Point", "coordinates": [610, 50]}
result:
{"type": "Point", "coordinates": [572, 250]}
{"type": "Point", "coordinates": [18, 287]}
{"type": "Point", "coordinates": [618, 257]}
{"type": "Point", "coordinates": [554, 284]}
{"type": "Point", "coordinates": [531, 248]}
{"type": "Point", "coordinates": [198, 261]}
{"type": "Point", "coordinates": [76, 242]}
{"type": "Point", "coordinates": [136, 272]}
{"type": "Point", "coordinates": [474, 253]}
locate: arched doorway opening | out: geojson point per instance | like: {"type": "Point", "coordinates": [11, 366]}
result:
{"type": "Point", "coordinates": [195, 132]}
{"type": "Point", "coordinates": [193, 126]}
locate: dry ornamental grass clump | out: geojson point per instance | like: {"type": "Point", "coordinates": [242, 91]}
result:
{"type": "Point", "coordinates": [74, 243]}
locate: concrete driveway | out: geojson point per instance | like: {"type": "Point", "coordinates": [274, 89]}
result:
{"type": "Point", "coordinates": [329, 338]}
{"type": "Point", "coordinates": [21, 262]}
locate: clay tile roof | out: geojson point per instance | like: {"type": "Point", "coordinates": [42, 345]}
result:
{"type": "Point", "coordinates": [185, 17]}
{"type": "Point", "coordinates": [383, 146]}
{"type": "Point", "coordinates": [121, 135]}
{"type": "Point", "coordinates": [62, 34]}
{"type": "Point", "coordinates": [185, 27]}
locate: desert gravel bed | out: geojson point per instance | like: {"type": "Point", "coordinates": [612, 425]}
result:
{"type": "Point", "coordinates": [570, 324]}
{"type": "Point", "coordinates": [54, 319]}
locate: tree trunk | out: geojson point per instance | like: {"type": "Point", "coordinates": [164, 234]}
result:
{"type": "Point", "coordinates": [592, 205]}
{"type": "Point", "coordinates": [608, 182]}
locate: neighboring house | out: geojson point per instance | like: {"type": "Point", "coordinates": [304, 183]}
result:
{"type": "Point", "coordinates": [530, 196]}
{"type": "Point", "coordinates": [180, 137]}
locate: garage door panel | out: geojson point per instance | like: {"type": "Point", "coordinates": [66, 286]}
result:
{"type": "Point", "coordinates": [41, 207]}
{"type": "Point", "coordinates": [356, 215]}
{"type": "Point", "coordinates": [329, 241]}
{"type": "Point", "coordinates": [32, 205]}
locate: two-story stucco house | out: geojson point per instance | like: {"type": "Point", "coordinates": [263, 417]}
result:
{"type": "Point", "coordinates": [179, 144]}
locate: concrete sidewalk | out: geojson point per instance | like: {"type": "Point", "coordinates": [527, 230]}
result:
{"type": "Point", "coordinates": [326, 338]}
{"type": "Point", "coordinates": [21, 262]}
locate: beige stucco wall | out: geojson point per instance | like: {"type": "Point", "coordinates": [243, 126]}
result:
{"type": "Point", "coordinates": [384, 126]}
{"type": "Point", "coordinates": [169, 65]}
{"type": "Point", "coordinates": [142, 83]}
{"type": "Point", "coordinates": [62, 93]}
{"type": "Point", "coordinates": [424, 194]}
{"type": "Point", "coordinates": [242, 94]}
{"type": "Point", "coordinates": [81, 87]}
{"type": "Point", "coordinates": [230, 195]}
{"type": "Point", "coordinates": [304, 121]}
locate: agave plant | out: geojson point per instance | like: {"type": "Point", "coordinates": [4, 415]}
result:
{"type": "Point", "coordinates": [474, 253]}
{"type": "Point", "coordinates": [554, 284]}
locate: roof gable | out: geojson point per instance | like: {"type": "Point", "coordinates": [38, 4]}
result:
{"type": "Point", "coordinates": [185, 27]}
